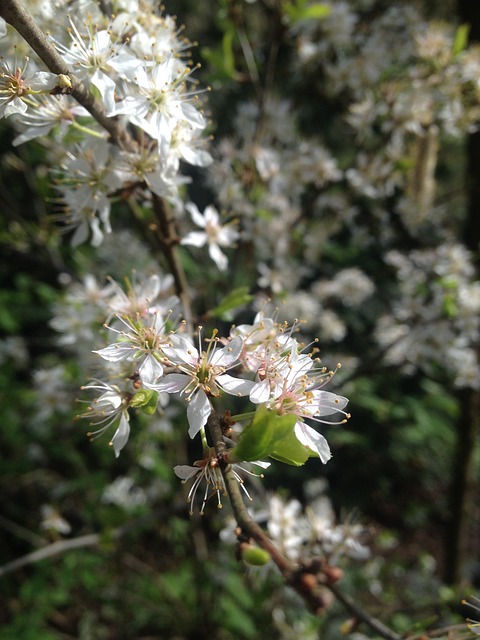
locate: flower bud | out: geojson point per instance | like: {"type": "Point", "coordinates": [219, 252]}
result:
{"type": "Point", "coordinates": [254, 555]}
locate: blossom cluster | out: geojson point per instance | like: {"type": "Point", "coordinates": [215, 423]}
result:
{"type": "Point", "coordinates": [137, 65]}
{"type": "Point", "coordinates": [301, 530]}
{"type": "Point", "coordinates": [435, 318]}
{"type": "Point", "coordinates": [314, 530]}
{"type": "Point", "coordinates": [154, 352]}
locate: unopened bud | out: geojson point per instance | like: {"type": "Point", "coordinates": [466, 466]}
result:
{"type": "Point", "coordinates": [254, 555]}
{"type": "Point", "coordinates": [64, 81]}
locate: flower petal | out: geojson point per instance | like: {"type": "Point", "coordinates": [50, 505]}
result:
{"type": "Point", "coordinates": [171, 383]}
{"type": "Point", "coordinates": [229, 354]}
{"type": "Point", "coordinates": [234, 386]}
{"type": "Point", "coordinates": [218, 256]}
{"type": "Point", "coordinates": [185, 471]}
{"type": "Point", "coordinates": [116, 352]}
{"type": "Point", "coordinates": [260, 392]}
{"type": "Point", "coordinates": [198, 410]}
{"type": "Point", "coordinates": [313, 440]}
{"type": "Point", "coordinates": [150, 371]}
{"type": "Point", "coordinates": [328, 402]}
{"type": "Point", "coordinates": [120, 438]}
{"type": "Point", "coordinates": [195, 238]}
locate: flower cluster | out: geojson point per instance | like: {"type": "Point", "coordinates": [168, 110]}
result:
{"type": "Point", "coordinates": [435, 317]}
{"type": "Point", "coordinates": [138, 67]}
{"type": "Point", "coordinates": [153, 350]}
{"type": "Point", "coordinates": [301, 530]}
{"type": "Point", "coordinates": [314, 530]}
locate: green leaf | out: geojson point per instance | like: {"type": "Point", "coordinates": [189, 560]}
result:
{"type": "Point", "coordinates": [460, 41]}
{"type": "Point", "coordinates": [262, 435]}
{"type": "Point", "coordinates": [299, 10]}
{"type": "Point", "coordinates": [271, 435]}
{"type": "Point", "coordinates": [315, 12]}
{"type": "Point", "coordinates": [290, 450]}
{"type": "Point", "coordinates": [236, 298]}
{"type": "Point", "coordinates": [228, 56]}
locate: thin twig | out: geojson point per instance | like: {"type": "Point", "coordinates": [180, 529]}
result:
{"type": "Point", "coordinates": [363, 615]}
{"type": "Point", "coordinates": [22, 532]}
{"type": "Point", "coordinates": [61, 546]}
{"type": "Point", "coordinates": [166, 232]}
{"type": "Point", "coordinates": [243, 518]}
{"type": "Point", "coordinates": [53, 549]}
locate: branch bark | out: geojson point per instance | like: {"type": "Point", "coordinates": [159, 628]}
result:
{"type": "Point", "coordinates": [309, 579]}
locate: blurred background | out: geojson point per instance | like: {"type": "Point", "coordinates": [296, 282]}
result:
{"type": "Point", "coordinates": [345, 143]}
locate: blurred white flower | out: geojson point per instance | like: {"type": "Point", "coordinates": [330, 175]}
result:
{"type": "Point", "coordinates": [215, 235]}
{"type": "Point", "coordinates": [52, 520]}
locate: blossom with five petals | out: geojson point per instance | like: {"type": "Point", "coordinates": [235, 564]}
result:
{"type": "Point", "coordinates": [202, 375]}
{"type": "Point", "coordinates": [214, 234]}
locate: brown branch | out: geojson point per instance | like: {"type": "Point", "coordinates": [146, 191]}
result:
{"type": "Point", "coordinates": [309, 579]}
{"type": "Point", "coordinates": [167, 235]}
{"type": "Point", "coordinates": [363, 616]}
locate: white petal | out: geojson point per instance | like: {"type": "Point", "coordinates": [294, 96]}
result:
{"type": "Point", "coordinates": [260, 392]}
{"type": "Point", "coordinates": [260, 463]}
{"type": "Point", "coordinates": [197, 217]}
{"type": "Point", "coordinates": [116, 352]}
{"type": "Point", "coordinates": [193, 116]}
{"type": "Point", "coordinates": [109, 399]}
{"type": "Point", "coordinates": [97, 235]}
{"type": "Point", "coordinates": [211, 215]}
{"type": "Point", "coordinates": [217, 255]}
{"type": "Point", "coordinates": [313, 440]}
{"type": "Point", "coordinates": [43, 80]}
{"type": "Point", "coordinates": [106, 86]}
{"type": "Point", "coordinates": [195, 238]}
{"type": "Point", "coordinates": [181, 350]}
{"type": "Point", "coordinates": [235, 386]}
{"type": "Point", "coordinates": [185, 471]}
{"type": "Point", "coordinates": [229, 354]}
{"type": "Point", "coordinates": [171, 383]}
{"type": "Point", "coordinates": [198, 410]}
{"type": "Point", "coordinates": [151, 371]}
{"type": "Point", "coordinates": [328, 402]}
{"type": "Point", "coordinates": [14, 106]}
{"type": "Point", "coordinates": [197, 157]}
{"type": "Point", "coordinates": [152, 288]}
{"type": "Point", "coordinates": [120, 438]}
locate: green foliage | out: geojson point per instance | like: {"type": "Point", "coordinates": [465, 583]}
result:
{"type": "Point", "coordinates": [222, 59]}
{"type": "Point", "coordinates": [167, 576]}
{"type": "Point", "coordinates": [237, 298]}
{"type": "Point", "coordinates": [299, 10]}
{"type": "Point", "coordinates": [461, 39]}
{"type": "Point", "coordinates": [271, 435]}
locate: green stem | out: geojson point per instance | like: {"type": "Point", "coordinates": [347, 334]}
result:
{"type": "Point", "coordinates": [90, 132]}
{"type": "Point", "coordinates": [239, 417]}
